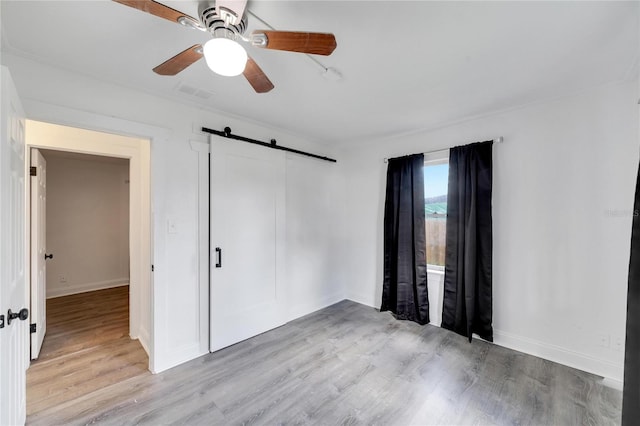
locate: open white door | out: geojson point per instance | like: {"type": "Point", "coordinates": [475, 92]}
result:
{"type": "Point", "coordinates": [14, 329]}
{"type": "Point", "coordinates": [247, 241]}
{"type": "Point", "coordinates": [38, 251]}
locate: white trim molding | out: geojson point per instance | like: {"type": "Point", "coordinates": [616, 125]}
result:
{"type": "Point", "coordinates": [138, 150]}
{"type": "Point", "coordinates": [612, 372]}
{"type": "Point", "coordinates": [86, 287]}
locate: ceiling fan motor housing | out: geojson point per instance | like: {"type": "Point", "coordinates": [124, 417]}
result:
{"type": "Point", "coordinates": [213, 22]}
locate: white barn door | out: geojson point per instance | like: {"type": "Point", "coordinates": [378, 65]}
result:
{"type": "Point", "coordinates": [247, 241]}
{"type": "Point", "coordinates": [38, 251]}
{"type": "Point", "coordinates": [14, 326]}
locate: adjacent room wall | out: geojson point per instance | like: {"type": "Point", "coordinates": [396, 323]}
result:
{"type": "Point", "coordinates": [562, 206]}
{"type": "Point", "coordinates": [87, 223]}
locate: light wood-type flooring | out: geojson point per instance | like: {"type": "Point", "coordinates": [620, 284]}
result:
{"type": "Point", "coordinates": [86, 348]}
{"type": "Point", "coordinates": [349, 364]}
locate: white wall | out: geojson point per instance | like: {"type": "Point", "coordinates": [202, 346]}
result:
{"type": "Point", "coordinates": [174, 191]}
{"type": "Point", "coordinates": [315, 254]}
{"type": "Point", "coordinates": [87, 223]}
{"type": "Point", "coordinates": [563, 198]}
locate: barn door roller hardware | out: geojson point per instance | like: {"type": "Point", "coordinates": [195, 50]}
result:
{"type": "Point", "coordinates": [227, 134]}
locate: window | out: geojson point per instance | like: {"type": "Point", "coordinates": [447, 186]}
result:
{"type": "Point", "coordinates": [436, 179]}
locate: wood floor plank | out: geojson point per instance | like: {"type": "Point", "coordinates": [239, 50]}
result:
{"type": "Point", "coordinates": [349, 364]}
{"type": "Point", "coordinates": [86, 348]}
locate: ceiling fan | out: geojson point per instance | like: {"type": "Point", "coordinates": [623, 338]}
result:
{"type": "Point", "coordinates": [226, 21]}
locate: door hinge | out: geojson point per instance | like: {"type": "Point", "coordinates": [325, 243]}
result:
{"type": "Point", "coordinates": [33, 328]}
{"type": "Point", "coordinates": [151, 268]}
{"type": "Point", "coordinates": [1, 321]}
{"type": "Point", "coordinates": [33, 171]}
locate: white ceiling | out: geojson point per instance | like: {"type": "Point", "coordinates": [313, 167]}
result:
{"type": "Point", "coordinates": [406, 66]}
{"type": "Point", "coordinates": [49, 154]}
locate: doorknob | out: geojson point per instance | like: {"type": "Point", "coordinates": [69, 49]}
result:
{"type": "Point", "coordinates": [22, 315]}
{"type": "Point", "coordinates": [48, 256]}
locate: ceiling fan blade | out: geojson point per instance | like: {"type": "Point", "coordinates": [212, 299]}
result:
{"type": "Point", "coordinates": [179, 62]}
{"type": "Point", "coordinates": [231, 10]}
{"type": "Point", "coordinates": [294, 41]}
{"type": "Point", "coordinates": [156, 9]}
{"type": "Point", "coordinates": [256, 77]}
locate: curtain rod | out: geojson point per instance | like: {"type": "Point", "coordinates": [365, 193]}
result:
{"type": "Point", "coordinates": [227, 134]}
{"type": "Point", "coordinates": [499, 139]}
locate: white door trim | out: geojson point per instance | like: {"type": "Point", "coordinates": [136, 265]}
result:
{"type": "Point", "coordinates": [142, 321]}
{"type": "Point", "coordinates": [38, 241]}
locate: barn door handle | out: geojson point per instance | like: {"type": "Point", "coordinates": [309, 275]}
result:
{"type": "Point", "coordinates": [218, 257]}
{"type": "Point", "coordinates": [48, 256]}
{"type": "Point", "coordinates": [22, 315]}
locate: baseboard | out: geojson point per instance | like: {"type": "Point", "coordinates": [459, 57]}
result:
{"type": "Point", "coordinates": [143, 338]}
{"type": "Point", "coordinates": [302, 310]}
{"type": "Point", "coordinates": [358, 298]}
{"type": "Point", "coordinates": [612, 383]}
{"type": "Point", "coordinates": [610, 371]}
{"type": "Point", "coordinates": [86, 287]}
{"type": "Point", "coordinates": [181, 355]}
{"type": "Point", "coordinates": [177, 356]}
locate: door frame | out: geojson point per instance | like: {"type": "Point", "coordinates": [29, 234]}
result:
{"type": "Point", "coordinates": [37, 246]}
{"type": "Point", "coordinates": [142, 297]}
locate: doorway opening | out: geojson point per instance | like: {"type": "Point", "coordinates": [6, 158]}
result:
{"type": "Point", "coordinates": [92, 310]}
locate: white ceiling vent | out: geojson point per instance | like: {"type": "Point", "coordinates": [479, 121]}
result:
{"type": "Point", "coordinates": [193, 91]}
{"type": "Point", "coordinates": [203, 94]}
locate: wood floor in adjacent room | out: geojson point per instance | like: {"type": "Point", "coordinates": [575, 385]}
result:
{"type": "Point", "coordinates": [86, 348]}
{"type": "Point", "coordinates": [349, 364]}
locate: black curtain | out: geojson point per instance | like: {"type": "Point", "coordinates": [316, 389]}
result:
{"type": "Point", "coordinates": [631, 388]}
{"type": "Point", "coordinates": [404, 290]}
{"type": "Point", "coordinates": [467, 306]}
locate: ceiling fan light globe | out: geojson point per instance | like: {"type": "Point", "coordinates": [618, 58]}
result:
{"type": "Point", "coordinates": [225, 56]}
